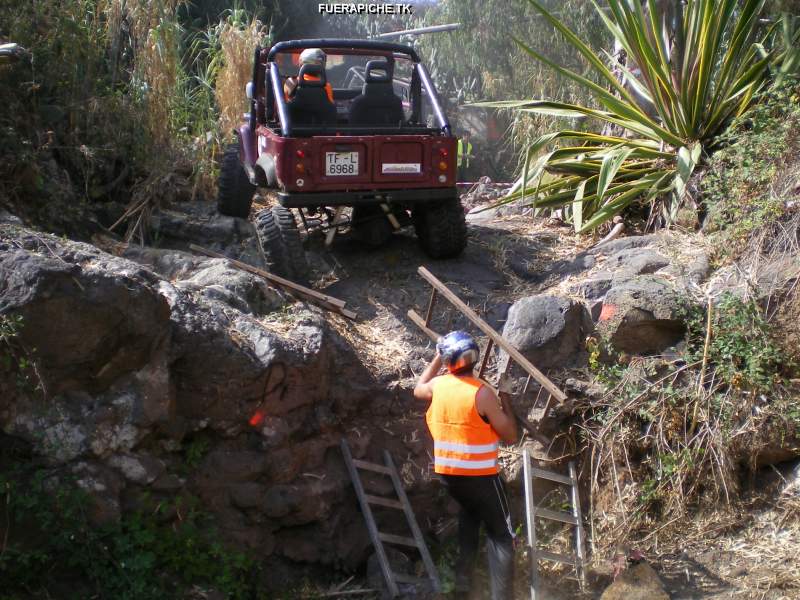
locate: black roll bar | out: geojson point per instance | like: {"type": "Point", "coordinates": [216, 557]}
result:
{"type": "Point", "coordinates": [280, 101]}
{"type": "Point", "coordinates": [339, 43]}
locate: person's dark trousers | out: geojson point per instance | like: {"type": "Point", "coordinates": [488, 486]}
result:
{"type": "Point", "coordinates": [483, 500]}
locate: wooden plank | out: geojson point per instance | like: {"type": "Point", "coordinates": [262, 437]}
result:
{"type": "Point", "coordinates": [542, 474]}
{"type": "Point", "coordinates": [431, 304]}
{"type": "Point", "coordinates": [383, 501]}
{"type": "Point", "coordinates": [291, 285]}
{"type": "Point", "coordinates": [433, 574]}
{"type": "Point", "coordinates": [362, 464]}
{"type": "Point", "coordinates": [374, 535]}
{"type": "Point", "coordinates": [486, 354]}
{"type": "Point", "coordinates": [493, 335]}
{"type": "Point", "coordinates": [420, 322]}
{"type": "Point", "coordinates": [397, 539]}
{"type": "Point", "coordinates": [555, 515]}
{"type": "Point", "coordinates": [545, 555]}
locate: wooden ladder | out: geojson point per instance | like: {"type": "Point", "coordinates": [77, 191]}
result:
{"type": "Point", "coordinates": [532, 511]}
{"type": "Point", "coordinates": [503, 385]}
{"type": "Point", "coordinates": [379, 537]}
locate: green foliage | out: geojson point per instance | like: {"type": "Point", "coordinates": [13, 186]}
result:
{"type": "Point", "coordinates": [742, 349]}
{"type": "Point", "coordinates": [748, 180]}
{"type": "Point", "coordinates": [53, 550]}
{"type": "Point", "coordinates": [677, 91]}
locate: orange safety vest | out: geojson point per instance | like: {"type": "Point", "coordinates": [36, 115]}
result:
{"type": "Point", "coordinates": [328, 88]}
{"type": "Point", "coordinates": [463, 443]}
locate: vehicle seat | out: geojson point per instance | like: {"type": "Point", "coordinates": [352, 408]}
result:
{"type": "Point", "coordinates": [310, 104]}
{"type": "Point", "coordinates": [377, 104]}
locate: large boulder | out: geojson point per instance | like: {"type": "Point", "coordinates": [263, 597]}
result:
{"type": "Point", "coordinates": [87, 317]}
{"type": "Point", "coordinates": [549, 330]}
{"type": "Point", "coordinates": [643, 315]}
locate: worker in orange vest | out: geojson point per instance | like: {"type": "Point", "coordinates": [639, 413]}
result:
{"type": "Point", "coordinates": [309, 56]}
{"type": "Point", "coordinates": [467, 421]}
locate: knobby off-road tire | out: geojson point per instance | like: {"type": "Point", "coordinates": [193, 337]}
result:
{"type": "Point", "coordinates": [235, 194]}
{"type": "Point", "coordinates": [280, 243]}
{"type": "Point", "coordinates": [441, 228]}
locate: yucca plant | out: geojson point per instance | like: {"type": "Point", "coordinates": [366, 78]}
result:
{"type": "Point", "coordinates": [683, 81]}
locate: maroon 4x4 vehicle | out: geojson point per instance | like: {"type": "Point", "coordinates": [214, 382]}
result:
{"type": "Point", "coordinates": [381, 148]}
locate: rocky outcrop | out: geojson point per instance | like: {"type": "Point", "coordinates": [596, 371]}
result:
{"type": "Point", "coordinates": [643, 315]}
{"type": "Point", "coordinates": [549, 330]}
{"type": "Point", "coordinates": [152, 367]}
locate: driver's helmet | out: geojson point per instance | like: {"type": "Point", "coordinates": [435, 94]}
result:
{"type": "Point", "coordinates": [313, 56]}
{"type": "Point", "coordinates": [458, 351]}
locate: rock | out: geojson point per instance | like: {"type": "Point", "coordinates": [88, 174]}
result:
{"type": "Point", "coordinates": [90, 316]}
{"type": "Point", "coordinates": [642, 316]}
{"type": "Point", "coordinates": [594, 287]}
{"type": "Point", "coordinates": [640, 582]}
{"type": "Point", "coordinates": [560, 268]}
{"type": "Point", "coordinates": [549, 330]}
{"type": "Point", "coordinates": [200, 223]}
{"type": "Point", "coordinates": [141, 469]}
{"type": "Point", "coordinates": [248, 494]}
{"type": "Point", "coordinates": [218, 281]}
{"type": "Point", "coordinates": [626, 243]}
{"type": "Point", "coordinates": [636, 261]}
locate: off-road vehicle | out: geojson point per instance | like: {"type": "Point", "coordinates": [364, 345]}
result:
{"type": "Point", "coordinates": [382, 148]}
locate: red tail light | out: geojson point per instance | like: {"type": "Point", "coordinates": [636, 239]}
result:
{"type": "Point", "coordinates": [300, 154]}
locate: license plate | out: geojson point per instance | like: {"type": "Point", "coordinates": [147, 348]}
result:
{"type": "Point", "coordinates": [341, 163]}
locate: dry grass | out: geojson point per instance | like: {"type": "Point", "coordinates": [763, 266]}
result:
{"type": "Point", "coordinates": [238, 44]}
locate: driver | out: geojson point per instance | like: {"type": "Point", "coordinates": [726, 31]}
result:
{"type": "Point", "coordinates": [309, 56]}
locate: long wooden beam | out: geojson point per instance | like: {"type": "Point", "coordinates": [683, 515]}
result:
{"type": "Point", "coordinates": [323, 300]}
{"type": "Point", "coordinates": [498, 339]}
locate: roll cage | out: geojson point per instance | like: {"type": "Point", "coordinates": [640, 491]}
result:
{"type": "Point", "coordinates": [274, 111]}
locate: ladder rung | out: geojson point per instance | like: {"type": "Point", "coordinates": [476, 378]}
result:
{"type": "Point", "coordinates": [403, 578]}
{"type": "Point", "coordinates": [542, 474]}
{"type": "Point", "coordinates": [383, 501]}
{"type": "Point", "coordinates": [545, 555]}
{"type": "Point", "coordinates": [362, 464]}
{"type": "Point", "coordinates": [555, 515]}
{"type": "Point", "coordinates": [397, 539]}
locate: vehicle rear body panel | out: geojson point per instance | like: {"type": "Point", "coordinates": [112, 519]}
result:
{"type": "Point", "coordinates": [384, 162]}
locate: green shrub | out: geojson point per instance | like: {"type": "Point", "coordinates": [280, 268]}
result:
{"type": "Point", "coordinates": [53, 550]}
{"type": "Point", "coordinates": [745, 185]}
{"type": "Point", "coordinates": [742, 349]}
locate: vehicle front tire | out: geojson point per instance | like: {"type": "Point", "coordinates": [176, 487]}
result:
{"type": "Point", "coordinates": [441, 228]}
{"type": "Point", "coordinates": [235, 192]}
{"type": "Point", "coordinates": [281, 246]}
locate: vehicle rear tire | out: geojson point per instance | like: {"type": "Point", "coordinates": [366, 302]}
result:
{"type": "Point", "coordinates": [370, 226]}
{"type": "Point", "coordinates": [235, 192]}
{"type": "Point", "coordinates": [441, 228]}
{"type": "Point", "coordinates": [280, 243]}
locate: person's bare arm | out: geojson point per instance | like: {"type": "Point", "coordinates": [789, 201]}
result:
{"type": "Point", "coordinates": [499, 414]}
{"type": "Point", "coordinates": [424, 388]}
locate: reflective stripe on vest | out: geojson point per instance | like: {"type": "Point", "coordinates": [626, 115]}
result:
{"type": "Point", "coordinates": [463, 443]}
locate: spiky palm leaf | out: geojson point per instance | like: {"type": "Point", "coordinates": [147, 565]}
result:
{"type": "Point", "coordinates": [682, 84]}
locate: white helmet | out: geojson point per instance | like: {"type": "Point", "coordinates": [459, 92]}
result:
{"type": "Point", "coordinates": [312, 56]}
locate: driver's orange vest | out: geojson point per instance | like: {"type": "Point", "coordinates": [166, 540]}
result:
{"type": "Point", "coordinates": [463, 443]}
